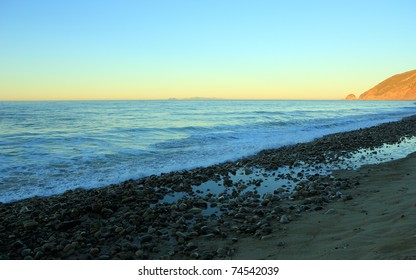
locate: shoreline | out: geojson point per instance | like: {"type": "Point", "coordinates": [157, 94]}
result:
{"type": "Point", "coordinates": [139, 219]}
{"type": "Point", "coordinates": [377, 224]}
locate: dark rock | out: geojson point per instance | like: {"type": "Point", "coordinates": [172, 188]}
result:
{"type": "Point", "coordinates": [104, 257]}
{"type": "Point", "coordinates": [195, 210]}
{"type": "Point", "coordinates": [106, 212]}
{"type": "Point", "coordinates": [190, 246]}
{"type": "Point", "coordinates": [146, 238]}
{"type": "Point", "coordinates": [26, 252]}
{"type": "Point", "coordinates": [221, 252]}
{"type": "Point", "coordinates": [68, 225]}
{"type": "Point", "coordinates": [30, 224]}
{"type": "Point", "coordinates": [183, 206]}
{"type": "Point", "coordinates": [48, 246]}
{"type": "Point", "coordinates": [284, 219]}
{"type": "Point", "coordinates": [69, 248]}
{"type": "Point", "coordinates": [128, 199]}
{"type": "Point", "coordinates": [17, 244]}
{"type": "Point", "coordinates": [120, 230]}
{"type": "Point", "coordinates": [39, 255]}
{"type": "Point", "coordinates": [97, 207]}
{"type": "Point", "coordinates": [228, 182]}
{"type": "Point", "coordinates": [265, 202]}
{"type": "Point", "coordinates": [139, 254]}
{"type": "Point", "coordinates": [194, 255]}
{"type": "Point", "coordinates": [94, 251]}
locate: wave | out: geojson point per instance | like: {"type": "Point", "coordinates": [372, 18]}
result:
{"type": "Point", "coordinates": [124, 140]}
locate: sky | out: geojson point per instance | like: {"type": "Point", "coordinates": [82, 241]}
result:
{"type": "Point", "coordinates": [233, 49]}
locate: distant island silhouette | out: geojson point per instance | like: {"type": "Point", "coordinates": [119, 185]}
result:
{"type": "Point", "coordinates": [195, 98]}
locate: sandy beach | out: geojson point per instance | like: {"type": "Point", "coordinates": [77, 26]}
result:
{"type": "Point", "coordinates": [278, 204]}
{"type": "Point", "coordinates": [379, 223]}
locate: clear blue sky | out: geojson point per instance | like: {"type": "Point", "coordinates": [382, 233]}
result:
{"type": "Point", "coordinates": [232, 49]}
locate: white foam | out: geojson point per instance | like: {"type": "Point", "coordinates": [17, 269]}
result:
{"type": "Point", "coordinates": [385, 153]}
{"type": "Point", "coordinates": [82, 147]}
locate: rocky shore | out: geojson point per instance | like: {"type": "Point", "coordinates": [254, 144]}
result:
{"type": "Point", "coordinates": [194, 214]}
{"type": "Point", "coordinates": [379, 223]}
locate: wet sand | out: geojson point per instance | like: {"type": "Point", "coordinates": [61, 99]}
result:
{"type": "Point", "coordinates": [379, 223]}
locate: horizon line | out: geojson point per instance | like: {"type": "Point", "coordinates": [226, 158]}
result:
{"type": "Point", "coordinates": [176, 99]}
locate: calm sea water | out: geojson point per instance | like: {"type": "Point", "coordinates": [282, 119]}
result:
{"type": "Point", "coordinates": [49, 147]}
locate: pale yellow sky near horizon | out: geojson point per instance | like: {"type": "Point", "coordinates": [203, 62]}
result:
{"type": "Point", "coordinates": [333, 89]}
{"type": "Point", "coordinates": [105, 86]}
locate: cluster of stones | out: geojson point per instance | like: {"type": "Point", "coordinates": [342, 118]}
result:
{"type": "Point", "coordinates": [126, 222]}
{"type": "Point", "coordinates": [331, 147]}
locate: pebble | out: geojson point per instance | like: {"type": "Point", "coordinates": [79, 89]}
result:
{"type": "Point", "coordinates": [139, 253]}
{"type": "Point", "coordinates": [266, 237]}
{"type": "Point", "coordinates": [228, 182]}
{"type": "Point", "coordinates": [248, 171]}
{"type": "Point", "coordinates": [120, 230]}
{"type": "Point", "coordinates": [182, 207]}
{"type": "Point", "coordinates": [188, 216]}
{"type": "Point", "coordinates": [104, 257]}
{"type": "Point", "coordinates": [48, 246]}
{"type": "Point", "coordinates": [39, 255]}
{"type": "Point", "coordinates": [209, 236]}
{"type": "Point", "coordinates": [195, 210]}
{"type": "Point", "coordinates": [146, 238]}
{"type": "Point", "coordinates": [346, 197]}
{"type": "Point", "coordinates": [26, 252]}
{"type": "Point", "coordinates": [17, 244]}
{"type": "Point", "coordinates": [97, 207]}
{"type": "Point", "coordinates": [221, 252]}
{"type": "Point", "coordinates": [69, 248]}
{"type": "Point", "coordinates": [106, 212]}
{"type": "Point", "coordinates": [330, 212]}
{"type": "Point", "coordinates": [151, 230]}
{"type": "Point", "coordinates": [115, 250]}
{"type": "Point", "coordinates": [190, 246]}
{"type": "Point", "coordinates": [30, 224]}
{"type": "Point", "coordinates": [181, 234]}
{"type": "Point", "coordinates": [284, 219]}
{"type": "Point", "coordinates": [94, 251]}
{"type": "Point", "coordinates": [194, 255]}
{"type": "Point", "coordinates": [265, 202]}
{"type": "Point", "coordinates": [68, 225]}
{"type": "Point", "coordinates": [295, 194]}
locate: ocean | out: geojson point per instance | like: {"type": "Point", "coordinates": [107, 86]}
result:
{"type": "Point", "coordinates": [47, 148]}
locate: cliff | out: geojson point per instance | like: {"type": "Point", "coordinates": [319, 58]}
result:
{"type": "Point", "coordinates": [398, 87]}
